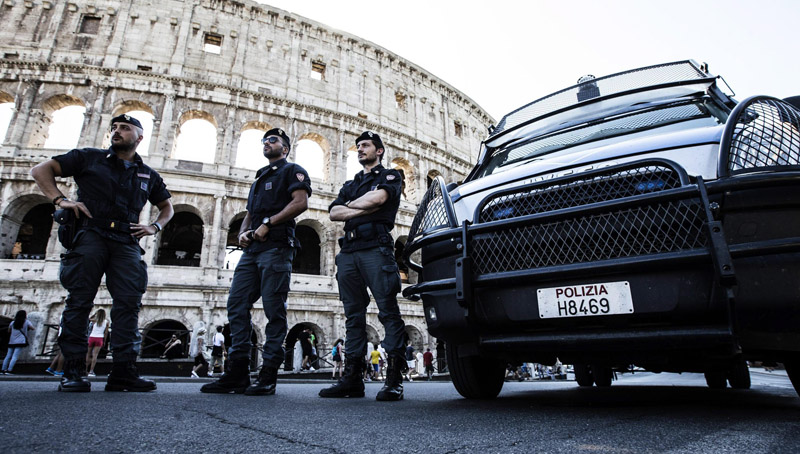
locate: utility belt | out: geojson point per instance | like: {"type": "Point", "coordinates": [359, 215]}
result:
{"type": "Point", "coordinates": [107, 224]}
{"type": "Point", "coordinates": [366, 233]}
{"type": "Point", "coordinates": [69, 226]}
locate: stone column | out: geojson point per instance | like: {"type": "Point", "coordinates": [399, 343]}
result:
{"type": "Point", "coordinates": [150, 245]}
{"type": "Point", "coordinates": [338, 324]}
{"type": "Point", "coordinates": [53, 250]}
{"type": "Point", "coordinates": [162, 131]}
{"type": "Point", "coordinates": [214, 246]}
{"type": "Point", "coordinates": [92, 122]}
{"type": "Point", "coordinates": [22, 115]}
{"type": "Point", "coordinates": [114, 48]}
{"type": "Point", "coordinates": [222, 156]}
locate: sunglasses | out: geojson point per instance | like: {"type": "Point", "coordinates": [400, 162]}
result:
{"type": "Point", "coordinates": [270, 139]}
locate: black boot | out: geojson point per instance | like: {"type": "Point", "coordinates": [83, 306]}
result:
{"type": "Point", "coordinates": [236, 379]}
{"type": "Point", "coordinates": [73, 379]}
{"type": "Point", "coordinates": [393, 388]}
{"type": "Point", "coordinates": [350, 384]}
{"type": "Point", "coordinates": [265, 383]}
{"type": "Point", "coordinates": [125, 377]}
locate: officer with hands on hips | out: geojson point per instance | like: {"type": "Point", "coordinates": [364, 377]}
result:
{"type": "Point", "coordinates": [113, 187]}
{"type": "Point", "coordinates": [279, 194]}
{"type": "Point", "coordinates": [368, 205]}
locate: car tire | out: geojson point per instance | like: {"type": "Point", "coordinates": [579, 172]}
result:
{"type": "Point", "coordinates": [739, 375]}
{"type": "Point", "coordinates": [602, 376]}
{"type": "Point", "coordinates": [583, 375]}
{"type": "Point", "coordinates": [793, 371]}
{"type": "Point", "coordinates": [716, 379]}
{"type": "Point", "coordinates": [475, 377]}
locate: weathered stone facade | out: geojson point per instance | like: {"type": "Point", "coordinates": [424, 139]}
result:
{"type": "Point", "coordinates": [266, 68]}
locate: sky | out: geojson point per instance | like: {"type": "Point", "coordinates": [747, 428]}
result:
{"type": "Point", "coordinates": [504, 54]}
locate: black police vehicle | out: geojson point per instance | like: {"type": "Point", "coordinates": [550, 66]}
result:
{"type": "Point", "coordinates": [644, 218]}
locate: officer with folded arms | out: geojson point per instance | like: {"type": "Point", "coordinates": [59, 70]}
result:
{"type": "Point", "coordinates": [367, 205]}
{"type": "Point", "coordinates": [113, 187]}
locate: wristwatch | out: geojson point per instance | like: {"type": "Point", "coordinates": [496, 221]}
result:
{"type": "Point", "coordinates": [266, 222]}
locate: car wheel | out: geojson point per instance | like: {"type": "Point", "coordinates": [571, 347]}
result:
{"type": "Point", "coordinates": [793, 370]}
{"type": "Point", "coordinates": [716, 379]}
{"type": "Point", "coordinates": [475, 377]}
{"type": "Point", "coordinates": [583, 375]}
{"type": "Point", "coordinates": [739, 375]}
{"type": "Point", "coordinates": [602, 376]}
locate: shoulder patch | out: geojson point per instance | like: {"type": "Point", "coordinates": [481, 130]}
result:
{"type": "Point", "coordinates": [390, 177]}
{"type": "Point", "coordinates": [300, 176]}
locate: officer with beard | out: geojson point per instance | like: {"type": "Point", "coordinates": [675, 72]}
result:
{"type": "Point", "coordinates": [279, 194]}
{"type": "Point", "coordinates": [367, 205]}
{"type": "Point", "coordinates": [113, 187]}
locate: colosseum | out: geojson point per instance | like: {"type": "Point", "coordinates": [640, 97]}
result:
{"type": "Point", "coordinates": [207, 78]}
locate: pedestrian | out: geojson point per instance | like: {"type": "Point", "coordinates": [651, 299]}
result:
{"type": "Point", "coordinates": [113, 187]}
{"type": "Point", "coordinates": [98, 331]}
{"type": "Point", "coordinates": [217, 351]}
{"type": "Point", "coordinates": [279, 194]}
{"type": "Point", "coordinates": [375, 361]}
{"type": "Point", "coordinates": [337, 356]}
{"type": "Point", "coordinates": [173, 348]}
{"type": "Point", "coordinates": [197, 351]}
{"type": "Point", "coordinates": [19, 335]}
{"type": "Point", "coordinates": [305, 346]}
{"type": "Point", "coordinates": [57, 364]}
{"type": "Point", "coordinates": [411, 361]}
{"type": "Point", "coordinates": [367, 205]}
{"type": "Point", "coordinates": [427, 360]}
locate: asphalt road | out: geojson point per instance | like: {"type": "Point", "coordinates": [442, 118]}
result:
{"type": "Point", "coordinates": [642, 413]}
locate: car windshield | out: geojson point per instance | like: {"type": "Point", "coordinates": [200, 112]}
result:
{"type": "Point", "coordinates": [527, 149]}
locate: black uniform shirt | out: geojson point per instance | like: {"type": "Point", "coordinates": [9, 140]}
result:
{"type": "Point", "coordinates": [112, 188]}
{"type": "Point", "coordinates": [378, 178]}
{"type": "Point", "coordinates": [270, 194]}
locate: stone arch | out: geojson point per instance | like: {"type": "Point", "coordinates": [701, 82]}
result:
{"type": "Point", "coordinates": [14, 219]}
{"type": "Point", "coordinates": [196, 137]}
{"type": "Point", "coordinates": [6, 113]}
{"type": "Point", "coordinates": [5, 334]}
{"type": "Point", "coordinates": [373, 335]}
{"type": "Point", "coordinates": [409, 177]}
{"type": "Point", "coordinates": [291, 340]}
{"type": "Point", "coordinates": [415, 336]}
{"type": "Point", "coordinates": [181, 241]}
{"type": "Point", "coordinates": [249, 151]}
{"type": "Point", "coordinates": [431, 176]}
{"type": "Point", "coordinates": [313, 153]}
{"type": "Point", "coordinates": [61, 124]}
{"type": "Point", "coordinates": [352, 165]}
{"type": "Point", "coordinates": [232, 250]}
{"type": "Point", "coordinates": [156, 335]}
{"type": "Point", "coordinates": [309, 258]}
{"type": "Point", "coordinates": [254, 342]}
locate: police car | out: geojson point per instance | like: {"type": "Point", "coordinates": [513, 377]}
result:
{"type": "Point", "coordinates": [642, 219]}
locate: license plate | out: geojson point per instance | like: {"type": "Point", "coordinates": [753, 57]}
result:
{"type": "Point", "coordinates": [608, 298]}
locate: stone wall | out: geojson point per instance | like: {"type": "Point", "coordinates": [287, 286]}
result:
{"type": "Point", "coordinates": [265, 68]}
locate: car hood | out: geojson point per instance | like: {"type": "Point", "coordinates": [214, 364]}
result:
{"type": "Point", "coordinates": [600, 154]}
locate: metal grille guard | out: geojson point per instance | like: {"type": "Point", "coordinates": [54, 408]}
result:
{"type": "Point", "coordinates": [713, 249]}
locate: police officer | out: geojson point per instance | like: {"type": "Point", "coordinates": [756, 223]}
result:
{"type": "Point", "coordinates": [279, 194]}
{"type": "Point", "coordinates": [368, 205]}
{"type": "Point", "coordinates": [113, 187]}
